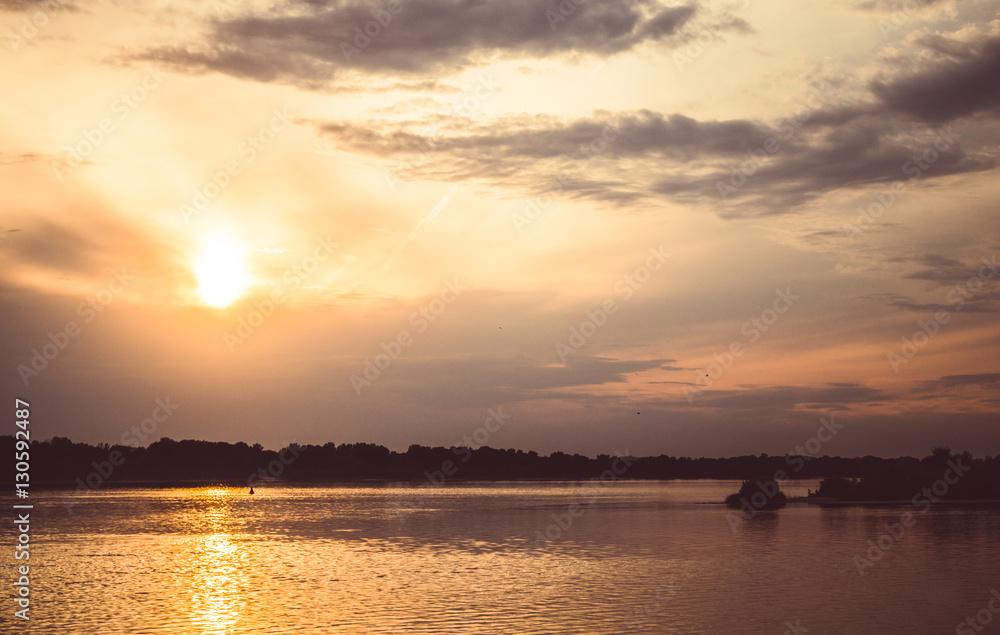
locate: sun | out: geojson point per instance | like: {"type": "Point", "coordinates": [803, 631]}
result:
{"type": "Point", "coordinates": [221, 271]}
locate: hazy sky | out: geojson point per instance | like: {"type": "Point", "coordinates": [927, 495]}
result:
{"type": "Point", "coordinates": [662, 227]}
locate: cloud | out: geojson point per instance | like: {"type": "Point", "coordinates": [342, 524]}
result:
{"type": "Point", "coordinates": [15, 158]}
{"type": "Point", "coordinates": [31, 5]}
{"type": "Point", "coordinates": [741, 167]}
{"type": "Point", "coordinates": [988, 302]}
{"type": "Point", "coordinates": [634, 134]}
{"type": "Point", "coordinates": [832, 396]}
{"type": "Point", "coordinates": [969, 390]}
{"type": "Point", "coordinates": [58, 248]}
{"type": "Point", "coordinates": [951, 381]}
{"type": "Point", "coordinates": [892, 5]}
{"type": "Point", "coordinates": [738, 167]}
{"type": "Point", "coordinates": [960, 83]}
{"type": "Point", "coordinates": [937, 268]}
{"type": "Point", "coordinates": [817, 160]}
{"type": "Point", "coordinates": [76, 257]}
{"type": "Point", "coordinates": [308, 44]}
{"type": "Point", "coordinates": [930, 260]}
{"type": "Point", "coordinates": [480, 379]}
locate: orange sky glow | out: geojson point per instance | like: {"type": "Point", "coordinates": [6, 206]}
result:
{"type": "Point", "coordinates": [682, 228]}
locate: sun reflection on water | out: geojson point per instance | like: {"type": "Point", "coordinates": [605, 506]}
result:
{"type": "Point", "coordinates": [219, 570]}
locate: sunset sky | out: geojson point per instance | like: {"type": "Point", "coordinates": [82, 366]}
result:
{"type": "Point", "coordinates": [692, 228]}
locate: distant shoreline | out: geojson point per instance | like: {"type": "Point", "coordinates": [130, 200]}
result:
{"type": "Point", "coordinates": [63, 464]}
{"type": "Point", "coordinates": [129, 484]}
{"type": "Point", "coordinates": [833, 502]}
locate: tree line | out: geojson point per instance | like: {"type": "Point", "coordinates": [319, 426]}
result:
{"type": "Point", "coordinates": [60, 461]}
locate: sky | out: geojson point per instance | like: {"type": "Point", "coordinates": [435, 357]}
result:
{"type": "Point", "coordinates": [689, 228]}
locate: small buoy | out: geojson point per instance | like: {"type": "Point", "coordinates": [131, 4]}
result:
{"type": "Point", "coordinates": [251, 490]}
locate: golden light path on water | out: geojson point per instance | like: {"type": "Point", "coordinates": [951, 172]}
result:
{"type": "Point", "coordinates": [219, 590]}
{"type": "Point", "coordinates": [491, 558]}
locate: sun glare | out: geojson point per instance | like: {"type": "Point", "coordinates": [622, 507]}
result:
{"type": "Point", "coordinates": [221, 271]}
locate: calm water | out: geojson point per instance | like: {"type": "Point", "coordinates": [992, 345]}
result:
{"type": "Point", "coordinates": [638, 557]}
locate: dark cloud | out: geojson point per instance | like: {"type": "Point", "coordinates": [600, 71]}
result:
{"type": "Point", "coordinates": [936, 268]}
{"type": "Point", "coordinates": [478, 380]}
{"type": "Point", "coordinates": [963, 83]}
{"type": "Point", "coordinates": [816, 160]}
{"type": "Point", "coordinates": [540, 137]}
{"type": "Point", "coordinates": [33, 5]}
{"type": "Point", "coordinates": [900, 301]}
{"type": "Point", "coordinates": [87, 251]}
{"type": "Point", "coordinates": [541, 154]}
{"type": "Point", "coordinates": [740, 167]}
{"type": "Point", "coordinates": [780, 398]}
{"type": "Point", "coordinates": [17, 158]}
{"type": "Point", "coordinates": [988, 302]}
{"type": "Point", "coordinates": [309, 45]}
{"type": "Point", "coordinates": [56, 248]}
{"type": "Point", "coordinates": [930, 260]}
{"type": "Point", "coordinates": [979, 379]}
{"type": "Point", "coordinates": [743, 167]}
{"type": "Point", "coordinates": [890, 5]}
{"type": "Point", "coordinates": [978, 387]}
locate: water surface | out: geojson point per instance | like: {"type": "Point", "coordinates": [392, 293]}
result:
{"type": "Point", "coordinates": [643, 557]}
